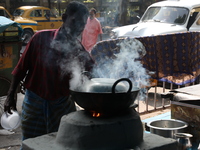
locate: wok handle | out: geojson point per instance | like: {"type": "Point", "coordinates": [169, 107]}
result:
{"type": "Point", "coordinates": [122, 79]}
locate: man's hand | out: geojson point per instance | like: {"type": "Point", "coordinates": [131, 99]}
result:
{"type": "Point", "coordinates": [10, 103]}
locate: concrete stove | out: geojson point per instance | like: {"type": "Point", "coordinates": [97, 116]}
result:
{"type": "Point", "coordinates": [81, 131]}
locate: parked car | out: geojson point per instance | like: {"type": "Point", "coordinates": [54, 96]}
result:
{"type": "Point", "coordinates": [34, 18]}
{"type": "Point", "coordinates": [5, 13]}
{"type": "Point", "coordinates": [165, 17]}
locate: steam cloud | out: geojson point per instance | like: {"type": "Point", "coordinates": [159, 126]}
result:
{"type": "Point", "coordinates": [126, 64]}
{"type": "Point", "coordinates": [69, 62]}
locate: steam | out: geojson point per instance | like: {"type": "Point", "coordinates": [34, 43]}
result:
{"type": "Point", "coordinates": [68, 47]}
{"type": "Point", "coordinates": [126, 64]}
{"type": "Point", "coordinates": [69, 62]}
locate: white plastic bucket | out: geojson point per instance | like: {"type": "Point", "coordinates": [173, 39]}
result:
{"type": "Point", "coordinates": [10, 121]}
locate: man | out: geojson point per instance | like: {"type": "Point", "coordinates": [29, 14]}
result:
{"type": "Point", "coordinates": [48, 14]}
{"type": "Point", "coordinates": [49, 63]}
{"type": "Point", "coordinates": [91, 31]}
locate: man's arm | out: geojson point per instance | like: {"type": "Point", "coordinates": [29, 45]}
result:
{"type": "Point", "coordinates": [10, 102]}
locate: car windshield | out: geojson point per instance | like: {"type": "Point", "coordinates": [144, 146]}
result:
{"type": "Point", "coordinates": [175, 15]}
{"type": "Point", "coordinates": [2, 13]}
{"type": "Point", "coordinates": [18, 12]}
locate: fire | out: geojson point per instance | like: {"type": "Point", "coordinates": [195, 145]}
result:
{"type": "Point", "coordinates": [95, 114]}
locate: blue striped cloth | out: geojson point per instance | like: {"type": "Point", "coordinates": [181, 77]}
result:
{"type": "Point", "coordinates": [40, 116]}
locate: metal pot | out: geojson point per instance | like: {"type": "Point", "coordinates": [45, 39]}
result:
{"type": "Point", "coordinates": [184, 142]}
{"type": "Point", "coordinates": [108, 101]}
{"type": "Point", "coordinates": [167, 127]}
{"type": "Point", "coordinates": [103, 85]}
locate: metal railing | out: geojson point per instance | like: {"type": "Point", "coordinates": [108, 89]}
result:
{"type": "Point", "coordinates": [154, 101]}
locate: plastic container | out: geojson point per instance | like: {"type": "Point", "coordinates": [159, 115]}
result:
{"type": "Point", "coordinates": [10, 121]}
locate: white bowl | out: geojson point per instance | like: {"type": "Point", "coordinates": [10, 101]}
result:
{"type": "Point", "coordinates": [10, 121]}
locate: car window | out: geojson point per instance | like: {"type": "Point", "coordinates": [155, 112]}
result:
{"type": "Point", "coordinates": [1, 12]}
{"type": "Point", "coordinates": [4, 13]}
{"type": "Point", "coordinates": [151, 12]}
{"type": "Point", "coordinates": [198, 21]}
{"type": "Point", "coordinates": [197, 10]}
{"type": "Point", "coordinates": [193, 17]}
{"type": "Point", "coordinates": [18, 12]}
{"type": "Point", "coordinates": [48, 13]}
{"type": "Point", "coordinates": [175, 15]}
{"type": "Point", "coordinates": [36, 13]}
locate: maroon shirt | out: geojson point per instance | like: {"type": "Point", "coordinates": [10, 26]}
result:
{"type": "Point", "coordinates": [41, 63]}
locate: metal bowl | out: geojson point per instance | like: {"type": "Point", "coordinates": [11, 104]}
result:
{"type": "Point", "coordinates": [167, 127]}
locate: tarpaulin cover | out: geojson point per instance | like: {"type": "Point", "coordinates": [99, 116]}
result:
{"type": "Point", "coordinates": [174, 58]}
{"type": "Point", "coordinates": [5, 23]}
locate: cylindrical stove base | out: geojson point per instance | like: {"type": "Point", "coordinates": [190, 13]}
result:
{"type": "Point", "coordinates": [80, 131]}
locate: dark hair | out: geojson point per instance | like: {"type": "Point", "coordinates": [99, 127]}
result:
{"type": "Point", "coordinates": [94, 10]}
{"type": "Point", "coordinates": [74, 7]}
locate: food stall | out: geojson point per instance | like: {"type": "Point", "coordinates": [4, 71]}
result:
{"type": "Point", "coordinates": [10, 46]}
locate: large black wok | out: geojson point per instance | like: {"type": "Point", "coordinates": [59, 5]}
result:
{"type": "Point", "coordinates": [106, 102]}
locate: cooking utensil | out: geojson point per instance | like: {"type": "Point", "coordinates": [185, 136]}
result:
{"type": "Point", "coordinates": [167, 127]}
{"type": "Point", "coordinates": [10, 121]}
{"type": "Point", "coordinates": [106, 102]}
{"type": "Point", "coordinates": [99, 85]}
{"type": "Point", "coordinates": [102, 85]}
{"type": "Point", "coordinates": [183, 140]}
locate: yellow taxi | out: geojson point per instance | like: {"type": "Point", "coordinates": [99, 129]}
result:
{"type": "Point", "coordinates": [34, 18]}
{"type": "Point", "coordinates": [5, 13]}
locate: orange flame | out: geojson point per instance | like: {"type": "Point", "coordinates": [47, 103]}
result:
{"type": "Point", "coordinates": [95, 114]}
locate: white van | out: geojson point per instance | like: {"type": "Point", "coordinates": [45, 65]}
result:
{"type": "Point", "coordinates": [169, 16]}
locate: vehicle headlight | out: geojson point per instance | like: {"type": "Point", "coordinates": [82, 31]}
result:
{"type": "Point", "coordinates": [113, 35]}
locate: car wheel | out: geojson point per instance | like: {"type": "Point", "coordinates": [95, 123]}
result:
{"type": "Point", "coordinates": [26, 36]}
